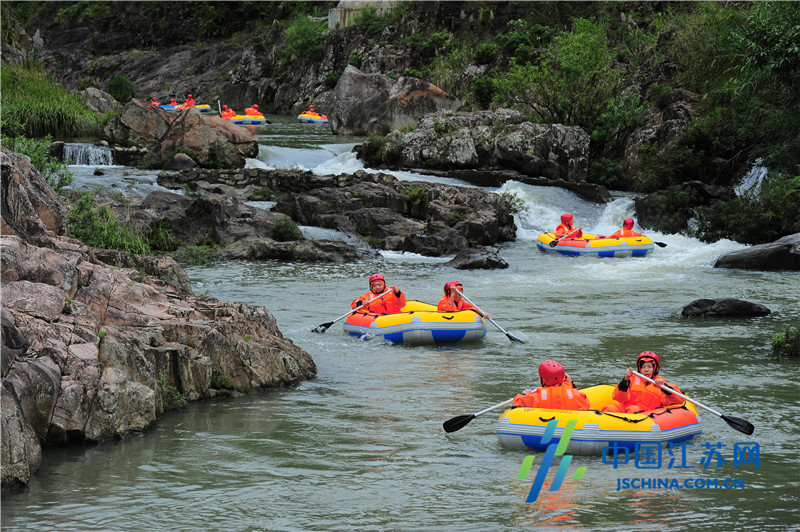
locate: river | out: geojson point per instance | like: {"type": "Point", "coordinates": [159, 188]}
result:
{"type": "Point", "coordinates": [361, 447]}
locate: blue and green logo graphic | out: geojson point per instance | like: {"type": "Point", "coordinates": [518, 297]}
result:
{"type": "Point", "coordinates": [552, 450]}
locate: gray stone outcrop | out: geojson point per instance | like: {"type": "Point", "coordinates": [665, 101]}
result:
{"type": "Point", "coordinates": [783, 254]}
{"type": "Point", "coordinates": [499, 140]}
{"type": "Point", "coordinates": [209, 140]}
{"type": "Point", "coordinates": [724, 307]}
{"type": "Point", "coordinates": [375, 104]}
{"type": "Point", "coordinates": [92, 351]}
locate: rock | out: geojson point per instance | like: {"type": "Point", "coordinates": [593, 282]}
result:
{"type": "Point", "coordinates": [499, 140]}
{"type": "Point", "coordinates": [724, 307]}
{"type": "Point", "coordinates": [368, 104]}
{"type": "Point", "coordinates": [99, 101]}
{"type": "Point", "coordinates": [211, 140]}
{"type": "Point", "coordinates": [477, 258]}
{"type": "Point", "coordinates": [179, 162]}
{"type": "Point", "coordinates": [255, 248]}
{"type": "Point", "coordinates": [30, 208]}
{"type": "Point", "coordinates": [93, 352]}
{"type": "Point", "coordinates": [783, 254]}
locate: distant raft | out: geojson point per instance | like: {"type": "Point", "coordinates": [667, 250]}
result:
{"type": "Point", "coordinates": [419, 323]}
{"type": "Point", "coordinates": [309, 117]}
{"type": "Point", "coordinates": [203, 108]}
{"type": "Point", "coordinates": [588, 244]}
{"type": "Point", "coordinates": [592, 431]}
{"type": "Point", "coordinates": [248, 120]}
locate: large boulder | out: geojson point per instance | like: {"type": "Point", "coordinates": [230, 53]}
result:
{"type": "Point", "coordinates": [488, 140]}
{"type": "Point", "coordinates": [209, 140]}
{"type": "Point", "coordinates": [30, 207]}
{"type": "Point", "coordinates": [92, 352]}
{"type": "Point", "coordinates": [783, 254]}
{"type": "Point", "coordinates": [724, 307]}
{"type": "Point", "coordinates": [375, 104]}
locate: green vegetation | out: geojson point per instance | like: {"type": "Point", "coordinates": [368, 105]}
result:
{"type": "Point", "coordinates": [35, 107]}
{"type": "Point", "coordinates": [196, 255]}
{"type": "Point", "coordinates": [97, 226]}
{"type": "Point", "coordinates": [415, 196]}
{"type": "Point", "coordinates": [56, 172]}
{"type": "Point", "coordinates": [787, 343]}
{"type": "Point", "coordinates": [170, 395]}
{"type": "Point", "coordinates": [222, 382]}
{"type": "Point", "coordinates": [285, 230]}
{"type": "Point", "coordinates": [303, 38]}
{"type": "Point", "coordinates": [121, 88]}
{"type": "Point", "coordinates": [754, 218]}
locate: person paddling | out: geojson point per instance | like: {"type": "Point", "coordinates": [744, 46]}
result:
{"type": "Point", "coordinates": [566, 227]}
{"type": "Point", "coordinates": [637, 395]}
{"type": "Point", "coordinates": [391, 303]}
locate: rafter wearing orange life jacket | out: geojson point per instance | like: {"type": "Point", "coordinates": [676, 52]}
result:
{"type": "Point", "coordinates": [622, 233]}
{"type": "Point", "coordinates": [251, 111]}
{"type": "Point", "coordinates": [388, 304]}
{"type": "Point", "coordinates": [444, 305]}
{"type": "Point", "coordinates": [566, 227]}
{"type": "Point", "coordinates": [639, 395]}
{"type": "Point", "coordinates": [560, 397]}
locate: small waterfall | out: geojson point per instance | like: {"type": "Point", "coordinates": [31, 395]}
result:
{"type": "Point", "coordinates": [751, 182]}
{"type": "Point", "coordinates": [87, 154]}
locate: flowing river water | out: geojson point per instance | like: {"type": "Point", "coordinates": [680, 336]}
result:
{"type": "Point", "coordinates": [362, 447]}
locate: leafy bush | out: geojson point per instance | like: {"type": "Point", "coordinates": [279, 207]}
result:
{"type": "Point", "coordinates": [34, 107]}
{"type": "Point", "coordinates": [332, 78]}
{"type": "Point", "coordinates": [56, 172]}
{"type": "Point", "coordinates": [285, 230]}
{"type": "Point", "coordinates": [787, 343]}
{"type": "Point", "coordinates": [99, 228]}
{"type": "Point", "coordinates": [484, 91]}
{"type": "Point", "coordinates": [121, 88]}
{"type": "Point", "coordinates": [754, 218]}
{"type": "Point", "coordinates": [486, 52]}
{"type": "Point", "coordinates": [303, 38]}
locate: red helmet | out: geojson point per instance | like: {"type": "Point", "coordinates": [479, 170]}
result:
{"type": "Point", "coordinates": [628, 223]}
{"type": "Point", "coordinates": [451, 284]}
{"type": "Point", "coordinates": [551, 373]}
{"type": "Point", "coordinates": [224, 106]}
{"type": "Point", "coordinates": [376, 277]}
{"type": "Point", "coordinates": [566, 218]}
{"type": "Point", "coordinates": [255, 107]}
{"type": "Point", "coordinates": [644, 355]}
{"type": "Point", "coordinates": [311, 106]}
{"type": "Point", "coordinates": [190, 96]}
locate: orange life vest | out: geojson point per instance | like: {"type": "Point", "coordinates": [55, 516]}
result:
{"type": "Point", "coordinates": [622, 233]}
{"type": "Point", "coordinates": [561, 397]}
{"type": "Point", "coordinates": [251, 111]}
{"type": "Point", "coordinates": [445, 306]}
{"type": "Point", "coordinates": [562, 230]}
{"type": "Point", "coordinates": [644, 395]}
{"type": "Point", "coordinates": [188, 103]}
{"type": "Point", "coordinates": [388, 304]}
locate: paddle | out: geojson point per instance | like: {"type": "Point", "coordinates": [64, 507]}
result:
{"type": "Point", "coordinates": [324, 327]}
{"type": "Point", "coordinates": [482, 313]}
{"type": "Point", "coordinates": [459, 422]}
{"type": "Point", "coordinates": [660, 244]}
{"type": "Point", "coordinates": [554, 243]}
{"type": "Point", "coordinates": [742, 425]}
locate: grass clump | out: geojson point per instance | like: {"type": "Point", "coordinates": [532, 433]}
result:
{"type": "Point", "coordinates": [787, 343]}
{"type": "Point", "coordinates": [35, 107]}
{"type": "Point", "coordinates": [98, 227]}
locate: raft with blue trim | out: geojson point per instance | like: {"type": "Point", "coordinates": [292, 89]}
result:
{"type": "Point", "coordinates": [631, 246]}
{"type": "Point", "coordinates": [203, 108]}
{"type": "Point", "coordinates": [419, 324]}
{"type": "Point", "coordinates": [593, 430]}
{"type": "Point", "coordinates": [248, 120]}
{"type": "Point", "coordinates": [307, 117]}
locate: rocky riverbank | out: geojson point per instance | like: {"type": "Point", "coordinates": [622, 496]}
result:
{"type": "Point", "coordinates": [91, 351]}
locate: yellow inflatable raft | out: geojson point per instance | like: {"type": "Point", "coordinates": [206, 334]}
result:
{"type": "Point", "coordinates": [419, 323]}
{"type": "Point", "coordinates": [593, 430]}
{"type": "Point", "coordinates": [588, 244]}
